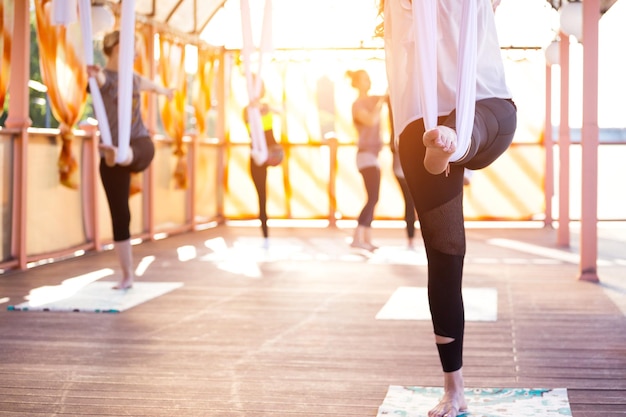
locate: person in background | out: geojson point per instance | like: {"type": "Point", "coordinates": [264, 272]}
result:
{"type": "Point", "coordinates": [409, 207]}
{"type": "Point", "coordinates": [366, 112]}
{"type": "Point", "coordinates": [435, 179]}
{"type": "Point", "coordinates": [116, 176]}
{"type": "Point", "coordinates": [275, 156]}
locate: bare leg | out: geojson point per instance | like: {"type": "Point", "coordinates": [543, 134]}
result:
{"type": "Point", "coordinates": [124, 252]}
{"type": "Point", "coordinates": [440, 144]}
{"type": "Point", "coordinates": [358, 241]}
{"type": "Point", "coordinates": [453, 402]}
{"type": "Point", "coordinates": [368, 239]}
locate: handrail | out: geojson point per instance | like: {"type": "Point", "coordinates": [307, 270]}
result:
{"type": "Point", "coordinates": [204, 154]}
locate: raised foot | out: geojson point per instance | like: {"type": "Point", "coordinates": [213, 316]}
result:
{"type": "Point", "coordinates": [110, 154]}
{"type": "Point", "coordinates": [440, 144]}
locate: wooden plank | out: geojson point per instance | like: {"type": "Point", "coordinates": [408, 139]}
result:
{"type": "Point", "coordinates": [301, 338]}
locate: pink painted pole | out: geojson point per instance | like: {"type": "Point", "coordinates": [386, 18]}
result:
{"type": "Point", "coordinates": [548, 144]}
{"type": "Point", "coordinates": [590, 142]}
{"type": "Point", "coordinates": [148, 174]}
{"type": "Point", "coordinates": [563, 234]}
{"type": "Point", "coordinates": [222, 94]}
{"type": "Point", "coordinates": [18, 119]}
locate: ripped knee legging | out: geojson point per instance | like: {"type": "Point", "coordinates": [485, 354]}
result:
{"type": "Point", "coordinates": [439, 203]}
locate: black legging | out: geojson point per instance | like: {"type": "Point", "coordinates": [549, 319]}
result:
{"type": "Point", "coordinates": [371, 179]}
{"type": "Point", "coordinates": [259, 177]}
{"type": "Point", "coordinates": [439, 203]}
{"type": "Point", "coordinates": [116, 183]}
{"type": "Point", "coordinates": [409, 206]}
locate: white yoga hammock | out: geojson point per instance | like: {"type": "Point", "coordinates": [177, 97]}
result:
{"type": "Point", "coordinates": [259, 150]}
{"type": "Point", "coordinates": [125, 72]}
{"type": "Point", "coordinates": [425, 30]}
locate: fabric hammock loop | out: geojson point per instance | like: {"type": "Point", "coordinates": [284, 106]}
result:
{"type": "Point", "coordinates": [84, 7]}
{"type": "Point", "coordinates": [125, 71]}
{"type": "Point", "coordinates": [259, 149]}
{"type": "Point", "coordinates": [425, 18]}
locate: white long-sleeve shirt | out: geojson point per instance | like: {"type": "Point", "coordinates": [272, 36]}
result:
{"type": "Point", "coordinates": [401, 61]}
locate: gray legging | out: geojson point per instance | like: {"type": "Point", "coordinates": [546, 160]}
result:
{"type": "Point", "coordinates": [439, 203]}
{"type": "Point", "coordinates": [371, 179]}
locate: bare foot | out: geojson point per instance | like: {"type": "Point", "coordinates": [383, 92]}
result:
{"type": "Point", "coordinates": [124, 284]}
{"type": "Point", "coordinates": [363, 245]}
{"type": "Point", "coordinates": [453, 403]}
{"type": "Point", "coordinates": [110, 154]}
{"type": "Point", "coordinates": [440, 144]}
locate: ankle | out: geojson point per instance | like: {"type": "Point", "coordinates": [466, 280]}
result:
{"type": "Point", "coordinates": [453, 381]}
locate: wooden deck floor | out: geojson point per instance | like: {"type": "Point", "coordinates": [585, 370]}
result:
{"type": "Point", "coordinates": [292, 331]}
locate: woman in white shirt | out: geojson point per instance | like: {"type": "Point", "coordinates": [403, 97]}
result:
{"type": "Point", "coordinates": [433, 158]}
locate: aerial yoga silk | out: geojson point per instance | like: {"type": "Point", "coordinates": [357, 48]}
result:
{"type": "Point", "coordinates": [259, 150]}
{"type": "Point", "coordinates": [125, 71]}
{"type": "Point", "coordinates": [425, 24]}
{"type": "Point", "coordinates": [62, 72]}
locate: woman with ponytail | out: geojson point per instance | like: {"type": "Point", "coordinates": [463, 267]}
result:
{"type": "Point", "coordinates": [366, 111]}
{"type": "Point", "coordinates": [116, 175]}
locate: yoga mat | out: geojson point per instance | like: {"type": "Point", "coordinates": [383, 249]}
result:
{"type": "Point", "coordinates": [482, 402]}
{"type": "Point", "coordinates": [411, 303]}
{"type": "Point", "coordinates": [95, 297]}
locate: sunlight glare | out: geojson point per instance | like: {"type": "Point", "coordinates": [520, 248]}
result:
{"type": "Point", "coordinates": [526, 23]}
{"type": "Point", "coordinates": [244, 267]}
{"type": "Point", "coordinates": [298, 24]}
{"type": "Point", "coordinates": [143, 265]}
{"type": "Point", "coordinates": [67, 288]}
{"type": "Point", "coordinates": [186, 253]}
{"type": "Point", "coordinates": [217, 244]}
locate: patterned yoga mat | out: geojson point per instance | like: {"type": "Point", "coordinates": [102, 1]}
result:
{"type": "Point", "coordinates": [482, 402]}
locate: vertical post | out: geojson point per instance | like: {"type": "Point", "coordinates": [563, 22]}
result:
{"type": "Point", "coordinates": [589, 143]}
{"type": "Point", "coordinates": [563, 233]}
{"type": "Point", "coordinates": [333, 145]}
{"type": "Point", "coordinates": [223, 77]}
{"type": "Point", "coordinates": [18, 119]}
{"type": "Point", "coordinates": [548, 144]}
{"type": "Point", "coordinates": [148, 180]}
{"type": "Point", "coordinates": [90, 180]}
{"type": "Point", "coordinates": [192, 156]}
